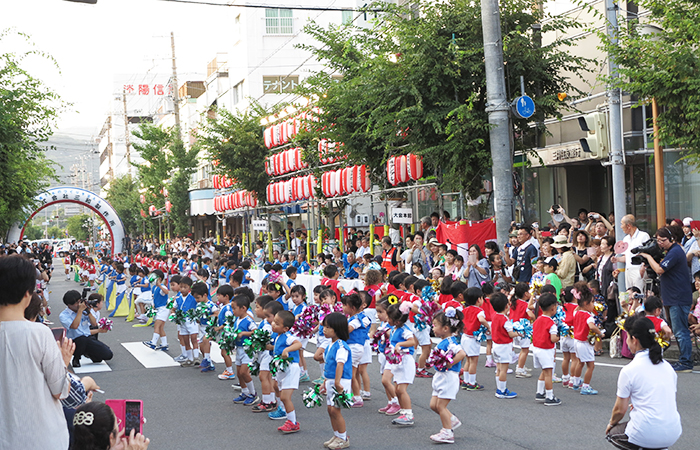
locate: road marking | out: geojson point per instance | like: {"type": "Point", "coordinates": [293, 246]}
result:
{"type": "Point", "coordinates": [150, 359]}
{"type": "Point", "coordinates": [87, 366]}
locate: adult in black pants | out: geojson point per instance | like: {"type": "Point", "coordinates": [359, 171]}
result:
{"type": "Point", "coordinates": [76, 319]}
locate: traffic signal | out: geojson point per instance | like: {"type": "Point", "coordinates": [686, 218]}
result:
{"type": "Point", "coordinates": [598, 141]}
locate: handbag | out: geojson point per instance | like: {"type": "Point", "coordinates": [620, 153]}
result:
{"type": "Point", "coordinates": [616, 346]}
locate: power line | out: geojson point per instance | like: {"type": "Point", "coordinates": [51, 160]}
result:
{"type": "Point", "coordinates": [247, 5]}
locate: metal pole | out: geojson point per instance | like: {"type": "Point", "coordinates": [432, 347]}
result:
{"type": "Point", "coordinates": [498, 110]}
{"type": "Point", "coordinates": [658, 168]}
{"type": "Point", "coordinates": [616, 149]}
{"type": "Point", "coordinates": [176, 93]}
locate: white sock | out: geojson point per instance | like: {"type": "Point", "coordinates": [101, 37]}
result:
{"type": "Point", "coordinates": [489, 358]}
{"type": "Point", "coordinates": [292, 416]}
{"type": "Point", "coordinates": [448, 431]}
{"type": "Point", "coordinates": [472, 378]}
{"type": "Point", "coordinates": [394, 401]}
{"type": "Point", "coordinates": [196, 352]}
{"type": "Point", "coordinates": [281, 405]}
{"type": "Point", "coordinates": [163, 341]}
{"type": "Point", "coordinates": [190, 354]}
{"type": "Point", "coordinates": [502, 386]}
{"type": "Point", "coordinates": [229, 369]}
{"type": "Point", "coordinates": [540, 386]}
{"type": "Point", "coordinates": [343, 436]}
{"type": "Point", "coordinates": [550, 393]}
{"type": "Point", "coordinates": [565, 377]}
{"type": "Point", "coordinates": [245, 391]}
{"type": "Point", "coordinates": [183, 350]}
{"type": "Point", "coordinates": [585, 385]}
{"type": "Point", "coordinates": [337, 434]}
{"type": "Point", "coordinates": [498, 383]}
{"type": "Point", "coordinates": [408, 413]}
{"type": "Point", "coordinates": [207, 356]}
{"type": "Point", "coordinates": [268, 398]}
{"type": "Point", "coordinates": [154, 341]}
{"type": "Point", "coordinates": [251, 388]}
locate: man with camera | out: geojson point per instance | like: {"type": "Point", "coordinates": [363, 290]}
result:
{"type": "Point", "coordinates": [76, 319]}
{"type": "Point", "coordinates": [634, 237]}
{"type": "Point", "coordinates": [676, 291]}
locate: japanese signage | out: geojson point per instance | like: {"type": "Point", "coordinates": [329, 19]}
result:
{"type": "Point", "coordinates": [280, 84]}
{"type": "Point", "coordinates": [561, 154]}
{"type": "Point", "coordinates": [260, 225]}
{"type": "Point", "coordinates": [147, 89]}
{"type": "Point", "coordinates": [401, 215]}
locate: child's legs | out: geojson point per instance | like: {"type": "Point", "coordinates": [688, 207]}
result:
{"type": "Point", "coordinates": [181, 339]}
{"type": "Point", "coordinates": [243, 375]}
{"type": "Point", "coordinates": [286, 397]}
{"type": "Point", "coordinates": [159, 328]}
{"type": "Point", "coordinates": [402, 394]}
{"type": "Point", "coordinates": [522, 359]}
{"type": "Point", "coordinates": [206, 346]}
{"type": "Point", "coordinates": [489, 344]}
{"type": "Point", "coordinates": [186, 342]}
{"type": "Point", "coordinates": [337, 420]}
{"type": "Point", "coordinates": [439, 405]}
{"type": "Point", "coordinates": [194, 341]}
{"type": "Point", "coordinates": [265, 382]}
{"type": "Point", "coordinates": [576, 366]}
{"type": "Point", "coordinates": [598, 346]}
{"type": "Point", "coordinates": [302, 361]}
{"type": "Point", "coordinates": [276, 388]}
{"type": "Point", "coordinates": [472, 362]}
{"type": "Point", "coordinates": [355, 382]}
{"type": "Point", "coordinates": [546, 375]}
{"type": "Point", "coordinates": [388, 384]}
{"type": "Point", "coordinates": [363, 376]}
{"type": "Point", "coordinates": [590, 365]}
{"type": "Point", "coordinates": [502, 369]}
{"type": "Point", "coordinates": [227, 358]}
{"type": "Point", "coordinates": [425, 352]}
{"type": "Point", "coordinates": [565, 363]}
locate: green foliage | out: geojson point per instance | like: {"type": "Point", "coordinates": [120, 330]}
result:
{"type": "Point", "coordinates": [236, 142]}
{"type": "Point", "coordinates": [79, 226]}
{"type": "Point", "coordinates": [432, 99]}
{"type": "Point", "coordinates": [33, 232]}
{"type": "Point", "coordinates": [28, 111]}
{"type": "Point", "coordinates": [123, 195]}
{"type": "Point", "coordinates": [56, 232]}
{"type": "Point", "coordinates": [665, 65]}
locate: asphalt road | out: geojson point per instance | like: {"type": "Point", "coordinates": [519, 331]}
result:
{"type": "Point", "coordinates": [186, 409]}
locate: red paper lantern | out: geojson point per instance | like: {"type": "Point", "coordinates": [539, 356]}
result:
{"type": "Point", "coordinates": [401, 170]}
{"type": "Point", "coordinates": [391, 171]}
{"type": "Point", "coordinates": [142, 198]}
{"type": "Point", "coordinates": [168, 206]}
{"type": "Point", "coordinates": [414, 166]}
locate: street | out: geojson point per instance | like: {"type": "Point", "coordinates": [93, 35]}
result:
{"type": "Point", "coordinates": [187, 409]}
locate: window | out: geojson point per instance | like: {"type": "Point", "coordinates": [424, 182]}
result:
{"type": "Point", "coordinates": [236, 93]}
{"type": "Point", "coordinates": [279, 21]}
{"type": "Point", "coordinates": [347, 17]}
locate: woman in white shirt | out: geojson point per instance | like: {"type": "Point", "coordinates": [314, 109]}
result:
{"type": "Point", "coordinates": [647, 388]}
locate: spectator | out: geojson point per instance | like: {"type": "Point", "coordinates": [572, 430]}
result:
{"type": "Point", "coordinates": [96, 427]}
{"type": "Point", "coordinates": [634, 237]}
{"type": "Point", "coordinates": [350, 267]}
{"type": "Point", "coordinates": [420, 254]}
{"type": "Point", "coordinates": [693, 254]}
{"type": "Point", "coordinates": [76, 319]}
{"type": "Point", "coordinates": [584, 266]}
{"type": "Point", "coordinates": [476, 270]}
{"type": "Point", "coordinates": [33, 373]}
{"type": "Point", "coordinates": [647, 384]}
{"type": "Point", "coordinates": [390, 260]}
{"type": "Point", "coordinates": [676, 291]}
{"type": "Point", "coordinates": [566, 269]}
{"type": "Point", "coordinates": [407, 255]}
{"type": "Point", "coordinates": [605, 270]}
{"type": "Point", "coordinates": [526, 253]}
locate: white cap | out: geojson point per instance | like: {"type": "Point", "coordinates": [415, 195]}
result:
{"type": "Point", "coordinates": [686, 221]}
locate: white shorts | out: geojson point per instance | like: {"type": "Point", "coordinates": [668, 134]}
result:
{"type": "Point", "coordinates": [522, 342]}
{"type": "Point", "coordinates": [446, 384]}
{"type": "Point", "coordinates": [144, 297]}
{"type": "Point", "coordinates": [371, 314]}
{"type": "Point", "coordinates": [289, 379]}
{"type": "Point", "coordinates": [92, 277]}
{"type": "Point", "coordinates": [584, 351]}
{"type": "Point", "coordinates": [423, 336]}
{"type": "Point", "coordinates": [202, 333]}
{"type": "Point", "coordinates": [358, 351]}
{"type": "Point", "coordinates": [241, 357]}
{"type": "Point", "coordinates": [162, 313]}
{"type": "Point", "coordinates": [502, 353]}
{"type": "Point", "coordinates": [189, 327]}
{"type": "Point", "coordinates": [567, 344]}
{"type": "Point", "coordinates": [543, 358]}
{"type": "Point", "coordinates": [470, 345]}
{"type": "Point", "coordinates": [488, 335]}
{"type": "Point", "coordinates": [405, 371]}
{"type": "Point", "coordinates": [367, 354]}
{"type": "Point", "coordinates": [264, 359]}
{"type": "Point", "coordinates": [323, 342]}
{"type": "Point", "coordinates": [381, 359]}
{"type": "Point", "coordinates": [330, 384]}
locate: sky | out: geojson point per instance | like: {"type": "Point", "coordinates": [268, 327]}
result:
{"type": "Point", "coordinates": [95, 45]}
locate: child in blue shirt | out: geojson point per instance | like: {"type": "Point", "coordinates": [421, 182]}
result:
{"type": "Point", "coordinates": [266, 308]}
{"type": "Point", "coordinates": [189, 330]}
{"type": "Point", "coordinates": [245, 326]}
{"type": "Point", "coordinates": [358, 326]}
{"type": "Point", "coordinates": [200, 292]}
{"type": "Point", "coordinates": [286, 381]}
{"type": "Point", "coordinates": [447, 325]}
{"type": "Point", "coordinates": [160, 300]}
{"type": "Point", "coordinates": [299, 301]}
{"type": "Point", "coordinates": [246, 273]}
{"type": "Point", "coordinates": [144, 296]}
{"type": "Point", "coordinates": [338, 374]}
{"type": "Point", "coordinates": [224, 294]}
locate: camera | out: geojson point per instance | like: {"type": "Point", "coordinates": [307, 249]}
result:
{"type": "Point", "coordinates": [556, 209]}
{"type": "Point", "coordinates": [651, 248]}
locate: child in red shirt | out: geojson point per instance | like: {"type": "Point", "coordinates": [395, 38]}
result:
{"type": "Point", "coordinates": [544, 335]}
{"type": "Point", "coordinates": [567, 343]}
{"type": "Point", "coordinates": [502, 334]}
{"type": "Point", "coordinates": [521, 307]}
{"type": "Point", "coordinates": [584, 323]}
{"type": "Point", "coordinates": [474, 318]}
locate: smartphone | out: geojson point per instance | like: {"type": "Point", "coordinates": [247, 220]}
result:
{"type": "Point", "coordinates": [132, 417]}
{"type": "Point", "coordinates": [58, 334]}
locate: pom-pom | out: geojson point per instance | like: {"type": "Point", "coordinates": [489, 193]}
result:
{"type": "Point", "coordinates": [405, 307]}
{"type": "Point", "coordinates": [306, 322]}
{"type": "Point", "coordinates": [210, 329]}
{"type": "Point", "coordinates": [428, 294]}
{"type": "Point", "coordinates": [257, 342]}
{"type": "Point", "coordinates": [559, 319]}
{"type": "Point", "coordinates": [524, 328]}
{"type": "Point", "coordinates": [171, 303]}
{"type": "Point", "coordinates": [393, 356]}
{"type": "Point", "coordinates": [536, 288]}
{"type": "Point", "coordinates": [312, 396]}
{"type": "Point", "coordinates": [199, 312]}
{"type": "Point", "coordinates": [380, 336]}
{"type": "Point", "coordinates": [105, 324]}
{"type": "Point", "coordinates": [427, 311]}
{"type": "Point", "coordinates": [440, 359]}
{"type": "Point", "coordinates": [254, 368]}
{"type": "Point", "coordinates": [661, 339]}
{"type": "Point", "coordinates": [227, 341]}
{"type": "Point", "coordinates": [178, 317]}
{"type": "Point", "coordinates": [480, 334]}
{"type": "Point", "coordinates": [593, 337]}
{"type": "Point", "coordinates": [151, 312]}
{"type": "Point", "coordinates": [599, 307]}
{"type": "Point", "coordinates": [344, 400]}
{"type": "Point", "coordinates": [279, 364]}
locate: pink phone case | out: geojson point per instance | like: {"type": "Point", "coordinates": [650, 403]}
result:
{"type": "Point", "coordinates": [119, 408]}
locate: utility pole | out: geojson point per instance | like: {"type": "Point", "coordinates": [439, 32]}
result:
{"type": "Point", "coordinates": [110, 149]}
{"type": "Point", "coordinates": [616, 149]}
{"type": "Point", "coordinates": [126, 135]}
{"type": "Point", "coordinates": [498, 109]}
{"type": "Point", "coordinates": [176, 94]}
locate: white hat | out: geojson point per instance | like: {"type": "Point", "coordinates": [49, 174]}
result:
{"type": "Point", "coordinates": [686, 221]}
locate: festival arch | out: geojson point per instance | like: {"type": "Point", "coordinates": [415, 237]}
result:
{"type": "Point", "coordinates": [68, 194]}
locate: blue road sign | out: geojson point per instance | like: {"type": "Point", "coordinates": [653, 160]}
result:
{"type": "Point", "coordinates": [524, 107]}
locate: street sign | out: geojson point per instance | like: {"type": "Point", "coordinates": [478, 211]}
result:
{"type": "Point", "coordinates": [524, 107]}
{"type": "Point", "coordinates": [260, 225]}
{"type": "Point", "coordinates": [401, 215]}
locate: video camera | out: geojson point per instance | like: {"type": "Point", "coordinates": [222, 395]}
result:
{"type": "Point", "coordinates": [651, 248]}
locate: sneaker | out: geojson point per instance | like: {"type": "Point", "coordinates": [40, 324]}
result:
{"type": "Point", "coordinates": [263, 407]}
{"type": "Point", "coordinates": [565, 383]}
{"type": "Point", "coordinates": [179, 359]}
{"type": "Point", "coordinates": [588, 391]}
{"type": "Point", "coordinates": [149, 344]}
{"type": "Point", "coordinates": [505, 394]}
{"type": "Point", "coordinates": [552, 402]}
{"type": "Point", "coordinates": [366, 397]}
{"type": "Point", "coordinates": [681, 368]}
{"type": "Point", "coordinates": [464, 385]}
{"type": "Point", "coordinates": [422, 373]}
{"type": "Point", "coordinates": [456, 423]}
{"type": "Point", "coordinates": [403, 421]}
{"type": "Point", "coordinates": [240, 399]}
{"type": "Point", "coordinates": [289, 427]}
{"type": "Point", "coordinates": [187, 363]}
{"type": "Point", "coordinates": [163, 348]}
{"type": "Point", "coordinates": [475, 387]}
{"type": "Point", "coordinates": [304, 378]}
{"type": "Point", "coordinates": [197, 360]}
{"type": "Point", "coordinates": [358, 403]}
{"type": "Point", "coordinates": [384, 409]}
{"type": "Point", "coordinates": [556, 379]}
{"type": "Point", "coordinates": [251, 400]}
{"type": "Point", "coordinates": [522, 374]}
{"type": "Point", "coordinates": [393, 410]}
{"type": "Point", "coordinates": [490, 364]}
{"type": "Point", "coordinates": [237, 386]}
{"type": "Point", "coordinates": [576, 387]}
{"type": "Point", "coordinates": [443, 436]}
{"type": "Point", "coordinates": [540, 397]}
{"type": "Point", "coordinates": [319, 380]}
{"type": "Point", "coordinates": [339, 443]}
{"type": "Point", "coordinates": [278, 414]}
{"type": "Point", "coordinates": [330, 441]}
{"type": "Point", "coordinates": [227, 375]}
{"type": "Point", "coordinates": [207, 366]}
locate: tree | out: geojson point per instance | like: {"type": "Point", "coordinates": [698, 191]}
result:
{"type": "Point", "coordinates": [33, 232]}
{"type": "Point", "coordinates": [664, 65]}
{"type": "Point", "coordinates": [28, 112]}
{"type": "Point", "coordinates": [123, 195]}
{"type": "Point", "coordinates": [418, 85]}
{"type": "Point", "coordinates": [56, 232]}
{"type": "Point", "coordinates": [79, 226]}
